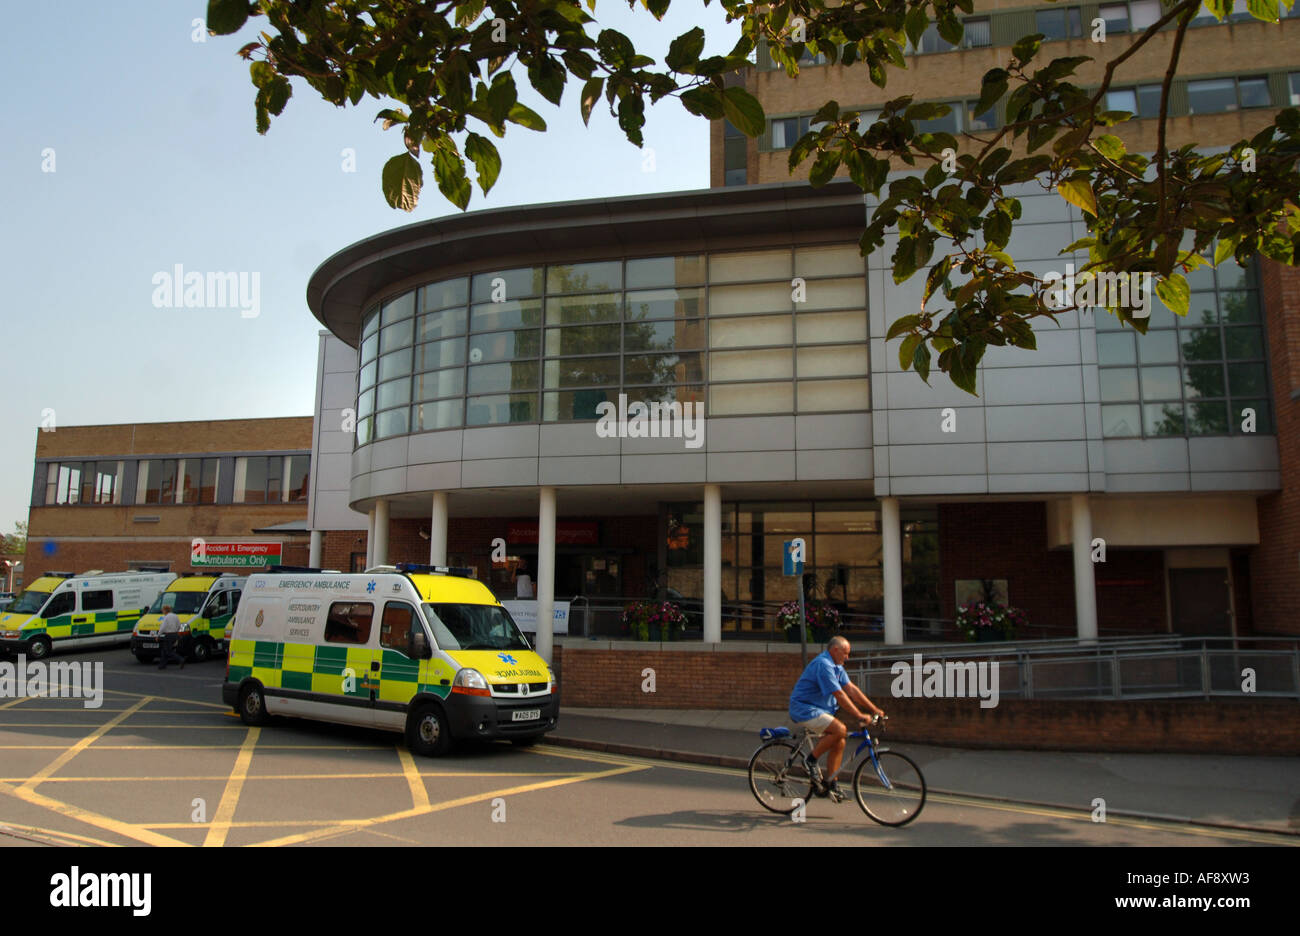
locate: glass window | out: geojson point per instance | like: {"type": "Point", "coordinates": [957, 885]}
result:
{"type": "Point", "coordinates": [349, 622]}
{"type": "Point", "coordinates": [736, 177]}
{"type": "Point", "coordinates": [828, 261]}
{"type": "Point", "coordinates": [370, 348]}
{"type": "Point", "coordinates": [839, 327]}
{"type": "Point", "coordinates": [397, 364]}
{"type": "Point", "coordinates": [436, 354]}
{"type": "Point", "coordinates": [510, 314]}
{"type": "Point", "coordinates": [588, 339]}
{"type": "Point", "coordinates": [505, 346]}
{"type": "Point", "coordinates": [366, 403]}
{"type": "Point", "coordinates": [750, 299]}
{"type": "Point", "coordinates": [393, 393]}
{"type": "Point", "coordinates": [1254, 92]}
{"type": "Point", "coordinates": [1119, 384]}
{"type": "Point", "coordinates": [1058, 24]}
{"type": "Point", "coordinates": [584, 277]}
{"type": "Point", "coordinates": [1144, 13]}
{"type": "Point", "coordinates": [1160, 383]}
{"type": "Point", "coordinates": [395, 627]}
{"type": "Point", "coordinates": [666, 271]}
{"type": "Point", "coordinates": [189, 471]}
{"type": "Point", "coordinates": [299, 471]}
{"type": "Point", "coordinates": [663, 336]}
{"type": "Point", "coordinates": [1293, 79]}
{"type": "Point", "coordinates": [845, 361]}
{"type": "Point", "coordinates": [1115, 348]}
{"type": "Point", "coordinates": [1158, 347]}
{"type": "Point", "coordinates": [986, 121]}
{"type": "Point", "coordinates": [931, 41]}
{"type": "Point", "coordinates": [580, 310]}
{"type": "Point", "coordinates": [443, 383]}
{"type": "Point", "coordinates": [1239, 343]}
{"type": "Point", "coordinates": [665, 303]}
{"type": "Point", "coordinates": [443, 295]}
{"type": "Point", "coordinates": [399, 309]}
{"type": "Point", "coordinates": [1211, 96]}
{"type": "Point", "coordinates": [977, 34]}
{"type": "Point", "coordinates": [370, 324]}
{"type": "Point", "coordinates": [250, 480]}
{"type": "Point", "coordinates": [576, 404]}
{"type": "Point", "coordinates": [501, 410]}
{"type": "Point", "coordinates": [365, 431]}
{"type": "Point", "coordinates": [752, 265]}
{"type": "Point", "coordinates": [752, 365]}
{"type": "Point", "coordinates": [445, 414]}
{"type": "Point", "coordinates": [826, 396]}
{"type": "Point", "coordinates": [948, 123]}
{"type": "Point", "coordinates": [108, 482]}
{"type": "Point", "coordinates": [740, 399]}
{"type": "Point", "coordinates": [664, 368]}
{"type": "Point", "coordinates": [834, 294]}
{"type": "Point", "coordinates": [1116, 17]}
{"type": "Point", "coordinates": [1121, 421]}
{"type": "Point", "coordinates": [392, 337]}
{"type": "Point", "coordinates": [508, 285]}
{"type": "Point", "coordinates": [752, 331]}
{"type": "Point", "coordinates": [1148, 100]}
{"type": "Point", "coordinates": [1207, 417]}
{"type": "Point", "coordinates": [1247, 380]}
{"type": "Point", "coordinates": [97, 600]}
{"type": "Point", "coordinates": [390, 423]}
{"type": "Point", "coordinates": [1203, 380]}
{"type": "Point", "coordinates": [578, 372]}
{"type": "Point", "coordinates": [442, 324]}
{"type": "Point", "coordinates": [366, 377]}
{"type": "Point", "coordinates": [64, 603]}
{"type": "Point", "coordinates": [159, 481]}
{"type": "Point", "coordinates": [1122, 99]}
{"type": "Point", "coordinates": [491, 378]}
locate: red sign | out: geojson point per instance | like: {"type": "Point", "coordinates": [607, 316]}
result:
{"type": "Point", "coordinates": [233, 553]}
{"type": "Point", "coordinates": [567, 533]}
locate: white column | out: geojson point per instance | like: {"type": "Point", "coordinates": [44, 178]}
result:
{"type": "Point", "coordinates": [712, 563]}
{"type": "Point", "coordinates": [370, 538]}
{"type": "Point", "coordinates": [438, 530]}
{"type": "Point", "coordinates": [891, 537]}
{"type": "Point", "coordinates": [546, 573]}
{"type": "Point", "coordinates": [1085, 585]}
{"type": "Point", "coordinates": [380, 554]}
{"type": "Point", "coordinates": [314, 558]}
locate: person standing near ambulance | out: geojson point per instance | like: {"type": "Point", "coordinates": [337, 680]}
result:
{"type": "Point", "coordinates": [169, 632]}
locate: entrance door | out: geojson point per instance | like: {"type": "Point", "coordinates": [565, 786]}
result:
{"type": "Point", "coordinates": [1201, 605]}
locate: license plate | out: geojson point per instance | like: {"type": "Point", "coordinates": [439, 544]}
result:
{"type": "Point", "coordinates": [150, 644]}
{"type": "Point", "coordinates": [531, 714]}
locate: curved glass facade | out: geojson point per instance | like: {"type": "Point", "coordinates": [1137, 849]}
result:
{"type": "Point", "coordinates": [766, 332]}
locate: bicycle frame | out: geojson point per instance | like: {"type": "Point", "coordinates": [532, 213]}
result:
{"type": "Point", "coordinates": [806, 747]}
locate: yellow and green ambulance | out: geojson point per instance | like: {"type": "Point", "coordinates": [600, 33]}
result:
{"type": "Point", "coordinates": [424, 650]}
{"type": "Point", "coordinates": [66, 610]}
{"type": "Point", "coordinates": [204, 604]}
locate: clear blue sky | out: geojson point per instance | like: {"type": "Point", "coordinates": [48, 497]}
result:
{"type": "Point", "coordinates": [157, 163]}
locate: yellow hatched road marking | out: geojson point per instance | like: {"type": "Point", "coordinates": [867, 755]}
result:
{"type": "Point", "coordinates": [419, 795]}
{"type": "Point", "coordinates": [159, 698]}
{"type": "Point", "coordinates": [356, 825]}
{"type": "Point", "coordinates": [53, 837]}
{"type": "Point", "coordinates": [18, 701]}
{"type": "Point", "coordinates": [81, 745]}
{"type": "Point", "coordinates": [384, 775]}
{"type": "Point", "coordinates": [125, 829]}
{"type": "Point", "coordinates": [230, 796]}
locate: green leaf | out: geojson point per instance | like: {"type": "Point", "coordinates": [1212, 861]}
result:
{"type": "Point", "coordinates": [921, 361]}
{"type": "Point", "coordinates": [590, 95]}
{"type": "Point", "coordinates": [1022, 170]}
{"type": "Point", "coordinates": [915, 24]}
{"type": "Point", "coordinates": [705, 101]}
{"type": "Point", "coordinates": [997, 229]}
{"type": "Point", "coordinates": [1174, 293]}
{"type": "Point", "coordinates": [906, 323]}
{"type": "Point", "coordinates": [991, 90]}
{"type": "Point", "coordinates": [743, 110]}
{"type": "Point", "coordinates": [1078, 192]}
{"type": "Point", "coordinates": [487, 161]}
{"type": "Point", "coordinates": [1225, 248]}
{"type": "Point", "coordinates": [963, 370]}
{"type": "Point", "coordinates": [616, 48]}
{"type": "Point", "coordinates": [907, 349]}
{"type": "Point", "coordinates": [1110, 146]}
{"type": "Point", "coordinates": [262, 74]}
{"type": "Point", "coordinates": [824, 168]}
{"type": "Point", "coordinates": [1265, 10]}
{"type": "Point", "coordinates": [1027, 47]}
{"type": "Point", "coordinates": [904, 259]}
{"type": "Point", "coordinates": [226, 16]}
{"type": "Point", "coordinates": [936, 276]}
{"type": "Point", "coordinates": [526, 117]}
{"type": "Point", "coordinates": [548, 77]}
{"type": "Point", "coordinates": [950, 28]}
{"type": "Point", "coordinates": [684, 51]}
{"type": "Point", "coordinates": [402, 180]}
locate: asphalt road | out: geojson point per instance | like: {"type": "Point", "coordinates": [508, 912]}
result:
{"type": "Point", "coordinates": [164, 762]}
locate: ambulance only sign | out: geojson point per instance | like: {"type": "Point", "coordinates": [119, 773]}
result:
{"type": "Point", "coordinates": [234, 553]}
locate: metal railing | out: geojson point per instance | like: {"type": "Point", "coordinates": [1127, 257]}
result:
{"type": "Point", "coordinates": [1159, 666]}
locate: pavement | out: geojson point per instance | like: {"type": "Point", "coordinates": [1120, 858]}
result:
{"type": "Point", "coordinates": [1230, 791]}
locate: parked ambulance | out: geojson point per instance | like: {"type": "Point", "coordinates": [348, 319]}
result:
{"type": "Point", "coordinates": [66, 610]}
{"type": "Point", "coordinates": [424, 650]}
{"type": "Point", "coordinates": [204, 604]}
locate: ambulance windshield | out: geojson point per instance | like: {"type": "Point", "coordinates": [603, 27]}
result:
{"type": "Point", "coordinates": [29, 602]}
{"type": "Point", "coordinates": [181, 602]}
{"type": "Point", "coordinates": [473, 627]}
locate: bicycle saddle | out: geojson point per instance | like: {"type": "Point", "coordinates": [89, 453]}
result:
{"type": "Point", "coordinates": [767, 734]}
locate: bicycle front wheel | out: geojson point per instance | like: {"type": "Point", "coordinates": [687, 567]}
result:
{"type": "Point", "coordinates": [778, 777]}
{"type": "Point", "coordinates": [891, 793]}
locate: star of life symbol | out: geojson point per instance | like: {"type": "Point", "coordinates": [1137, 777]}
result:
{"type": "Point", "coordinates": [370, 586]}
{"type": "Point", "coordinates": [508, 658]}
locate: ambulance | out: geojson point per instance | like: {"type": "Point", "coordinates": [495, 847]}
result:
{"type": "Point", "coordinates": [67, 610]}
{"type": "Point", "coordinates": [424, 650]}
{"type": "Point", "coordinates": [204, 604]}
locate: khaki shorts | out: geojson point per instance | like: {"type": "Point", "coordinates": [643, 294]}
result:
{"type": "Point", "coordinates": [818, 724]}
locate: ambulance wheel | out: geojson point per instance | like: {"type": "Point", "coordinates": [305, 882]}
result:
{"type": "Point", "coordinates": [252, 705]}
{"type": "Point", "coordinates": [38, 648]}
{"type": "Point", "coordinates": [201, 651]}
{"type": "Point", "coordinates": [427, 732]}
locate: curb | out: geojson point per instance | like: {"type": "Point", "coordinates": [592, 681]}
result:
{"type": "Point", "coordinates": [740, 763]}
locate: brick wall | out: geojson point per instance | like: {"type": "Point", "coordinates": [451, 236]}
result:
{"type": "Point", "coordinates": [1274, 568]}
{"type": "Point", "coordinates": [114, 556]}
{"type": "Point", "coordinates": [739, 680]}
{"type": "Point", "coordinates": [167, 438]}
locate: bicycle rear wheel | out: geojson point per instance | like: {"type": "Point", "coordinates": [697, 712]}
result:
{"type": "Point", "coordinates": [892, 794]}
{"type": "Point", "coordinates": [778, 777]}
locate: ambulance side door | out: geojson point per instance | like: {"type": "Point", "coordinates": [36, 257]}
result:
{"type": "Point", "coordinates": [399, 668]}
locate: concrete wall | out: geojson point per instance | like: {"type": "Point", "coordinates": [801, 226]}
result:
{"type": "Point", "coordinates": [332, 441]}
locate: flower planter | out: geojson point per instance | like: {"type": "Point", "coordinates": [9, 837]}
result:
{"type": "Point", "coordinates": [988, 635]}
{"type": "Point", "coordinates": [820, 634]}
{"type": "Point", "coordinates": [654, 633]}
{"type": "Point", "coordinates": [792, 635]}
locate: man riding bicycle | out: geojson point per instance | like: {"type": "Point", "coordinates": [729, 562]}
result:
{"type": "Point", "coordinates": [823, 690]}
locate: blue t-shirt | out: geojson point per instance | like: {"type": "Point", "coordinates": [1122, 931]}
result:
{"type": "Point", "coordinates": [814, 693]}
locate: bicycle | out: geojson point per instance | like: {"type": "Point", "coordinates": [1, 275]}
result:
{"type": "Point", "coordinates": [887, 785]}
